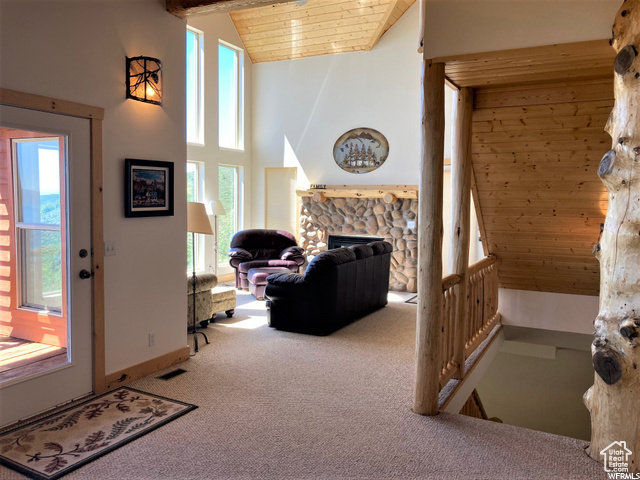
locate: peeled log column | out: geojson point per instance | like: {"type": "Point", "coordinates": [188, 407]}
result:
{"type": "Point", "coordinates": [614, 398]}
{"type": "Point", "coordinates": [430, 302]}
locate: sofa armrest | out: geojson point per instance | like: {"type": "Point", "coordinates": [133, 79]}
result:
{"type": "Point", "coordinates": [293, 253]}
{"type": "Point", "coordinates": [238, 255]}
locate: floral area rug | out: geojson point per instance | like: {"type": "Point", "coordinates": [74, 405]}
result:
{"type": "Point", "coordinates": [53, 446]}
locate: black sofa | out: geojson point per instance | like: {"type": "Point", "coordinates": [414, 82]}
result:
{"type": "Point", "coordinates": [337, 287]}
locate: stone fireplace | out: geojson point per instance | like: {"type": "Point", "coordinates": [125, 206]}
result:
{"type": "Point", "coordinates": [391, 218]}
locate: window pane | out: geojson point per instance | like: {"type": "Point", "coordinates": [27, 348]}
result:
{"type": "Point", "coordinates": [192, 182]}
{"type": "Point", "coordinates": [228, 97]}
{"type": "Point", "coordinates": [228, 195]}
{"type": "Point", "coordinates": [41, 269]}
{"type": "Point", "coordinates": [193, 86]}
{"type": "Point", "coordinates": [38, 178]}
{"type": "Point", "coordinates": [189, 252]}
{"type": "Point", "coordinates": [193, 195]}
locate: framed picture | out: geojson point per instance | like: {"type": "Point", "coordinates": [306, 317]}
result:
{"type": "Point", "coordinates": [148, 188]}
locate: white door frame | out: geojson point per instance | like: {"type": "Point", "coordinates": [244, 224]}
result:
{"type": "Point", "coordinates": [95, 115]}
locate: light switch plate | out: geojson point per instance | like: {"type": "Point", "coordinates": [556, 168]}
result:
{"type": "Point", "coordinates": [109, 248]}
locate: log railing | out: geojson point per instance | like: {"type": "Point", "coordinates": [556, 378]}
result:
{"type": "Point", "coordinates": [482, 317]}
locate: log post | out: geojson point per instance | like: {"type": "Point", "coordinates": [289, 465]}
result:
{"type": "Point", "coordinates": [461, 216]}
{"type": "Point", "coordinates": [613, 399]}
{"type": "Point", "coordinates": [429, 320]}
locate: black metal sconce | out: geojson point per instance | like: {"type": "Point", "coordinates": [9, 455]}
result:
{"type": "Point", "coordinates": [144, 79]}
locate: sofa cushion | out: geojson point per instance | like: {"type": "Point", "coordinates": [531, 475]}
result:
{"type": "Point", "coordinates": [326, 261]}
{"type": "Point", "coordinates": [362, 251]}
{"type": "Point", "coordinates": [380, 248]}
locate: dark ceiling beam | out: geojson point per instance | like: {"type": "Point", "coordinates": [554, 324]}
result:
{"type": "Point", "coordinates": [188, 8]}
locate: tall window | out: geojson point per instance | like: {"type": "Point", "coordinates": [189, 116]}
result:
{"type": "Point", "coordinates": [194, 86]}
{"type": "Point", "coordinates": [230, 96]}
{"type": "Point", "coordinates": [230, 194]}
{"type": "Point", "coordinates": [38, 222]}
{"type": "Point", "coordinates": [195, 193]}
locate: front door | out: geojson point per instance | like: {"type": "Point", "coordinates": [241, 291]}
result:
{"type": "Point", "coordinates": [45, 243]}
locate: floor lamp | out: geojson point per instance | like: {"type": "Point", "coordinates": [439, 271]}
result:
{"type": "Point", "coordinates": [217, 209]}
{"type": "Point", "coordinates": [197, 222]}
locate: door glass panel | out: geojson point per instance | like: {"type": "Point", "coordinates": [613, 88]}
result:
{"type": "Point", "coordinates": [41, 259]}
{"type": "Point", "coordinates": [38, 172]}
{"type": "Point", "coordinates": [38, 214]}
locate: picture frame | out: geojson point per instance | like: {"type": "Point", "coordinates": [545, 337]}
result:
{"type": "Point", "coordinates": [148, 188]}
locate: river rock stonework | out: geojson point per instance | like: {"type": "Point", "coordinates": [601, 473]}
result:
{"type": "Point", "coordinates": [367, 217]}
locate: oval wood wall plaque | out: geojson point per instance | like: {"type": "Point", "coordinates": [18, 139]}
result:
{"type": "Point", "coordinates": [361, 150]}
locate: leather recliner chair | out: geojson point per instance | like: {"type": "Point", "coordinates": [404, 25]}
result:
{"type": "Point", "coordinates": [338, 286]}
{"type": "Point", "coordinates": [263, 248]}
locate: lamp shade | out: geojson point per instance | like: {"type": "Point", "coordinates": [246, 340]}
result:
{"type": "Point", "coordinates": [197, 219]}
{"type": "Point", "coordinates": [217, 208]}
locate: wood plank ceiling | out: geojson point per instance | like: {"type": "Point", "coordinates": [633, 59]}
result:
{"type": "Point", "coordinates": [538, 137]}
{"type": "Point", "coordinates": [320, 27]}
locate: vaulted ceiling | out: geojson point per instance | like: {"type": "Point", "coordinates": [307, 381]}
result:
{"type": "Point", "coordinates": [320, 27]}
{"type": "Point", "coordinates": [276, 30]}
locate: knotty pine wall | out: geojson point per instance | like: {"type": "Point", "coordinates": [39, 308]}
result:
{"type": "Point", "coordinates": [535, 153]}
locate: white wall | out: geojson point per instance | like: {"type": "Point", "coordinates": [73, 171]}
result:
{"type": "Point", "coordinates": [220, 27]}
{"type": "Point", "coordinates": [455, 27]}
{"type": "Point", "coordinates": [549, 311]}
{"type": "Point", "coordinates": [301, 107]}
{"type": "Point", "coordinates": [540, 393]}
{"type": "Point", "coordinates": [311, 102]}
{"type": "Point", "coordinates": [75, 50]}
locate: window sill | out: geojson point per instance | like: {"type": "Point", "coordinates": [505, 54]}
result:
{"type": "Point", "coordinates": [40, 311]}
{"type": "Point", "coordinates": [195, 144]}
{"type": "Point", "coordinates": [228, 149]}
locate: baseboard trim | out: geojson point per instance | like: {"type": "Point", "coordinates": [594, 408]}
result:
{"type": "Point", "coordinates": [134, 372]}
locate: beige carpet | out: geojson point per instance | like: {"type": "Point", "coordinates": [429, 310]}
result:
{"type": "Point", "coordinates": [276, 405]}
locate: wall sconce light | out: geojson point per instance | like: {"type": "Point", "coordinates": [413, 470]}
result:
{"type": "Point", "coordinates": [144, 79]}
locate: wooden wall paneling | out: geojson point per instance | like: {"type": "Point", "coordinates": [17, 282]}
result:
{"type": "Point", "coordinates": [546, 94]}
{"type": "Point", "coordinates": [535, 154]}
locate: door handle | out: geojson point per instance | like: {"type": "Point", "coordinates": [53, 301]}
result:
{"type": "Point", "coordinates": [85, 274]}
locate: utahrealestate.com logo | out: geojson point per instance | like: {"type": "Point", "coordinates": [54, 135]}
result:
{"type": "Point", "coordinates": [616, 462]}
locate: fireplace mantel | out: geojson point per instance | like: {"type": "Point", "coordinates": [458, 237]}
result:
{"type": "Point", "coordinates": [322, 192]}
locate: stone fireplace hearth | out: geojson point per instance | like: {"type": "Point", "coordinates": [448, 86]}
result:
{"type": "Point", "coordinates": [394, 221]}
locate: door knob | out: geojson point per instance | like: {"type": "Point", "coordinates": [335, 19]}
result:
{"type": "Point", "coordinates": [84, 274]}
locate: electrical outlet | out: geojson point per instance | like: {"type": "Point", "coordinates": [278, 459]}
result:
{"type": "Point", "coordinates": [152, 339]}
{"type": "Point", "coordinates": [411, 224]}
{"type": "Point", "coordinates": [109, 248]}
